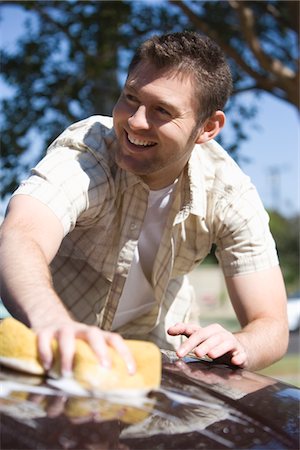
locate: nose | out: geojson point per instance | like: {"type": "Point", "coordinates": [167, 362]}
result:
{"type": "Point", "coordinates": [139, 119]}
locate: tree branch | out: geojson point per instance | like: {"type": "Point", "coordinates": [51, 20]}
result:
{"type": "Point", "coordinates": [269, 64]}
{"type": "Point", "coordinates": [230, 51]}
{"type": "Point", "coordinates": [284, 78]}
{"type": "Point", "coordinates": [288, 85]}
{"type": "Point", "coordinates": [65, 30]}
{"type": "Point", "coordinates": [292, 7]}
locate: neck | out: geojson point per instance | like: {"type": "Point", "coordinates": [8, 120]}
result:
{"type": "Point", "coordinates": [160, 181]}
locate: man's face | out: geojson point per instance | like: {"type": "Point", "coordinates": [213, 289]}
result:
{"type": "Point", "coordinates": [155, 123]}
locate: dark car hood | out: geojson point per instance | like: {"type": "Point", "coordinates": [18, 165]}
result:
{"type": "Point", "coordinates": [200, 405]}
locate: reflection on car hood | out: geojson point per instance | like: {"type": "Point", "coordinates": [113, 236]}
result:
{"type": "Point", "coordinates": [200, 405]}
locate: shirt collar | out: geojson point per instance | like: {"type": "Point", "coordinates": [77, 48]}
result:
{"type": "Point", "coordinates": [194, 198]}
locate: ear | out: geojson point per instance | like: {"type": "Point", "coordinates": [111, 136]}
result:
{"type": "Point", "coordinates": [211, 127]}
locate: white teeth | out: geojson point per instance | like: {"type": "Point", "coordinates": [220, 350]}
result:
{"type": "Point", "coordinates": [138, 142]}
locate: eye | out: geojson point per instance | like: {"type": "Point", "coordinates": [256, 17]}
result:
{"type": "Point", "coordinates": [130, 98]}
{"type": "Point", "coordinates": [163, 111]}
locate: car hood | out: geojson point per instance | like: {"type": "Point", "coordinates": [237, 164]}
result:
{"type": "Point", "coordinates": [200, 405]}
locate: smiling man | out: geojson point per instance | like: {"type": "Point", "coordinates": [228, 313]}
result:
{"type": "Point", "coordinates": [156, 124]}
{"type": "Point", "coordinates": [98, 240]}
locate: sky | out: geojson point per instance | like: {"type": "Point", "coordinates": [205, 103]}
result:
{"type": "Point", "coordinates": [272, 149]}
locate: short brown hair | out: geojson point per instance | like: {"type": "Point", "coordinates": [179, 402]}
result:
{"type": "Point", "coordinates": [196, 55]}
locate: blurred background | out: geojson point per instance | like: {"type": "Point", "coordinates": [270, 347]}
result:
{"type": "Point", "coordinates": [63, 61]}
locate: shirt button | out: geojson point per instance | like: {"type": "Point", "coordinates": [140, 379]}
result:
{"type": "Point", "coordinates": [120, 270]}
{"type": "Point", "coordinates": [133, 226]}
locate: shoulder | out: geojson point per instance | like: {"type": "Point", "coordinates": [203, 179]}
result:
{"type": "Point", "coordinates": [235, 213]}
{"type": "Point", "coordinates": [221, 183]}
{"type": "Point", "coordinates": [220, 173]}
{"type": "Point", "coordinates": [94, 133]}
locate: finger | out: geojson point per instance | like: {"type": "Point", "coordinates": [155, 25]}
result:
{"type": "Point", "coordinates": [44, 339]}
{"type": "Point", "coordinates": [190, 344]}
{"type": "Point", "coordinates": [118, 343]}
{"type": "Point", "coordinates": [185, 329]}
{"type": "Point", "coordinates": [239, 358]}
{"type": "Point", "coordinates": [96, 339]}
{"type": "Point", "coordinates": [217, 345]}
{"type": "Point", "coordinates": [66, 346]}
{"type": "Point", "coordinates": [200, 340]}
{"type": "Point", "coordinates": [176, 329]}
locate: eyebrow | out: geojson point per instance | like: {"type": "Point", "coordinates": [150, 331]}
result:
{"type": "Point", "coordinates": [162, 103]}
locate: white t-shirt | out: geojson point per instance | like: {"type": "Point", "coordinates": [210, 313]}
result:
{"type": "Point", "coordinates": [137, 297]}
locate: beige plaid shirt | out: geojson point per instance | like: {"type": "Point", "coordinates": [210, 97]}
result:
{"type": "Point", "coordinates": [102, 208]}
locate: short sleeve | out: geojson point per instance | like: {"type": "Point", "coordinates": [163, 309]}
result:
{"type": "Point", "coordinates": [71, 180]}
{"type": "Point", "coordinates": [243, 238]}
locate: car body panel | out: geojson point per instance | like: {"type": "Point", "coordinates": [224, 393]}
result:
{"type": "Point", "coordinates": [200, 405]}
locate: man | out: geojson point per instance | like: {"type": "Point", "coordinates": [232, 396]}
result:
{"type": "Point", "coordinates": [123, 210]}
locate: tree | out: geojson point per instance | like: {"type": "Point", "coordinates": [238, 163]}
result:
{"type": "Point", "coordinates": [68, 63]}
{"type": "Point", "coordinates": [65, 68]}
{"type": "Point", "coordinates": [259, 37]}
{"type": "Point", "coordinates": [286, 235]}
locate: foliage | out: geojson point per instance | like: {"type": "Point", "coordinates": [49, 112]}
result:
{"type": "Point", "coordinates": [68, 59]}
{"type": "Point", "coordinates": [69, 63]}
{"type": "Point", "coordinates": [286, 235]}
{"type": "Point", "coordinates": [260, 38]}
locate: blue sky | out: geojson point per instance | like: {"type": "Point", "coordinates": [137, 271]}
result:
{"type": "Point", "coordinates": [272, 149]}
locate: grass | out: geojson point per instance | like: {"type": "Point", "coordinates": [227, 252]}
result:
{"type": "Point", "coordinates": [287, 370]}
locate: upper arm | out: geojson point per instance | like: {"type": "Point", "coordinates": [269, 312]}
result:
{"type": "Point", "coordinates": [257, 295]}
{"type": "Point", "coordinates": [35, 221]}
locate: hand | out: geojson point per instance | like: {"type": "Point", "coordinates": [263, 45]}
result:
{"type": "Point", "coordinates": [213, 341]}
{"type": "Point", "coordinates": [66, 332]}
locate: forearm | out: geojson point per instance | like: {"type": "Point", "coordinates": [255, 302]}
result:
{"type": "Point", "coordinates": [30, 237]}
{"type": "Point", "coordinates": [259, 300]}
{"type": "Point", "coordinates": [27, 291]}
{"type": "Point", "coordinates": [25, 279]}
{"type": "Point", "coordinates": [265, 341]}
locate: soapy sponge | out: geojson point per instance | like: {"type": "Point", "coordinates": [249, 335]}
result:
{"type": "Point", "coordinates": [18, 350]}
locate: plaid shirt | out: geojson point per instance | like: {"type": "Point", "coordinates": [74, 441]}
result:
{"type": "Point", "coordinates": [102, 208]}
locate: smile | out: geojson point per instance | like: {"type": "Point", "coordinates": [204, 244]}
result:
{"type": "Point", "coordinates": [139, 142]}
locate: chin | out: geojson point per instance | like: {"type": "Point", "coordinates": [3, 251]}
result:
{"type": "Point", "coordinates": [131, 164]}
{"type": "Point", "coordinates": [128, 164]}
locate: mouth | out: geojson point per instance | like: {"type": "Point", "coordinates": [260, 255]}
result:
{"type": "Point", "coordinates": [135, 143]}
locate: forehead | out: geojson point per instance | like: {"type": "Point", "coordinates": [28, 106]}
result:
{"type": "Point", "coordinates": [171, 84]}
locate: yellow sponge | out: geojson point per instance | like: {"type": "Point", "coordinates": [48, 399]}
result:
{"type": "Point", "coordinates": [18, 350]}
{"type": "Point", "coordinates": [18, 347]}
